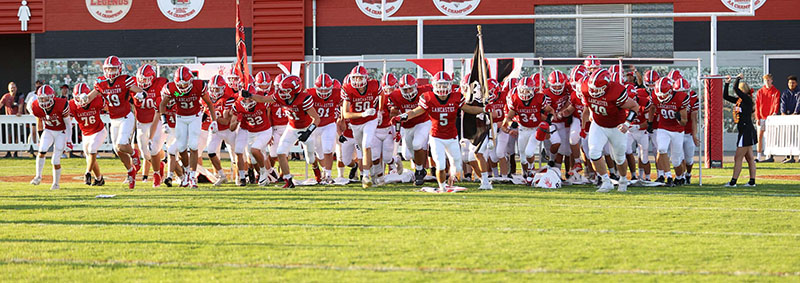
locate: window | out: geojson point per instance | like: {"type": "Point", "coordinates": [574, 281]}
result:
{"type": "Point", "coordinates": [603, 37]}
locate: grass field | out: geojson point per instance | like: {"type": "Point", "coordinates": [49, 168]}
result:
{"type": "Point", "coordinates": [394, 233]}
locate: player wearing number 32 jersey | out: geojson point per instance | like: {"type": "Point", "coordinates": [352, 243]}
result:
{"type": "Point", "coordinates": [442, 106]}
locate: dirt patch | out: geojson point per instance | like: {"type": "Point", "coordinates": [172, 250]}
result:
{"type": "Point", "coordinates": [780, 177]}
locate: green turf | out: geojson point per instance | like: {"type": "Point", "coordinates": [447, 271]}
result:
{"type": "Point", "coordinates": [394, 233]}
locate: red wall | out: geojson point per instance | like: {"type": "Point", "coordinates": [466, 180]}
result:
{"type": "Point", "coordinates": [9, 22]}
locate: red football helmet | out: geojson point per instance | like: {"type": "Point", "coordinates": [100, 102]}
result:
{"type": "Point", "coordinates": [526, 88]}
{"type": "Point", "coordinates": [263, 81]}
{"type": "Point", "coordinates": [663, 88]}
{"type": "Point", "coordinates": [46, 95]}
{"type": "Point", "coordinates": [249, 103]}
{"type": "Point", "coordinates": [216, 87]}
{"type": "Point", "coordinates": [388, 83]}
{"type": "Point", "coordinates": [291, 85]}
{"type": "Point", "coordinates": [537, 82]}
{"type": "Point", "coordinates": [616, 77]}
{"type": "Point", "coordinates": [556, 80]}
{"type": "Point", "coordinates": [80, 94]}
{"type": "Point", "coordinates": [442, 83]}
{"type": "Point", "coordinates": [494, 88]}
{"type": "Point", "coordinates": [509, 84]}
{"type": "Point", "coordinates": [337, 84]}
{"type": "Point", "coordinates": [408, 86]}
{"type": "Point", "coordinates": [183, 79]}
{"type": "Point", "coordinates": [681, 85]}
{"type": "Point", "coordinates": [233, 79]}
{"type": "Point", "coordinates": [145, 76]}
{"type": "Point", "coordinates": [591, 63]}
{"type": "Point", "coordinates": [598, 82]}
{"type": "Point", "coordinates": [674, 75]}
{"type": "Point", "coordinates": [112, 67]}
{"type": "Point", "coordinates": [324, 85]}
{"type": "Point", "coordinates": [575, 75]}
{"type": "Point", "coordinates": [614, 69]}
{"type": "Point", "coordinates": [358, 77]}
{"type": "Point", "coordinates": [277, 81]}
{"type": "Point", "coordinates": [650, 78]}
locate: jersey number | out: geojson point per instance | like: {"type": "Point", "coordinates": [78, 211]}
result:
{"type": "Point", "coordinates": [187, 105]}
{"type": "Point", "coordinates": [88, 120]}
{"type": "Point", "coordinates": [443, 119]}
{"type": "Point", "coordinates": [255, 120]}
{"type": "Point", "coordinates": [669, 114]}
{"type": "Point", "coordinates": [149, 103]}
{"type": "Point", "coordinates": [114, 99]}
{"type": "Point", "coordinates": [523, 117]}
{"type": "Point", "coordinates": [601, 110]}
{"type": "Point", "coordinates": [324, 112]}
{"type": "Point", "coordinates": [294, 115]}
{"type": "Point", "coordinates": [361, 106]}
{"type": "Point", "coordinates": [53, 123]}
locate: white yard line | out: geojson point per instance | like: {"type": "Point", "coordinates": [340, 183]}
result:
{"type": "Point", "coordinates": [138, 263]}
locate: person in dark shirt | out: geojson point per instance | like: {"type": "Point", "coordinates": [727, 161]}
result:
{"type": "Point", "coordinates": [747, 135]}
{"type": "Point", "coordinates": [789, 105]}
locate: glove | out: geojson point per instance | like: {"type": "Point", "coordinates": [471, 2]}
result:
{"type": "Point", "coordinates": [304, 135]}
{"type": "Point", "coordinates": [139, 96]}
{"type": "Point", "coordinates": [342, 139]}
{"type": "Point", "coordinates": [403, 116]}
{"type": "Point", "coordinates": [213, 127]}
{"type": "Point", "coordinates": [514, 125]}
{"type": "Point", "coordinates": [650, 127]}
{"type": "Point", "coordinates": [70, 146]}
{"type": "Point", "coordinates": [397, 137]}
{"type": "Point", "coordinates": [481, 116]}
{"type": "Point", "coordinates": [245, 94]}
{"type": "Point", "coordinates": [368, 112]}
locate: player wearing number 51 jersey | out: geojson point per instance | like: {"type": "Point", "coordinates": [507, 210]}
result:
{"type": "Point", "coordinates": [442, 106]}
{"type": "Point", "coordinates": [87, 115]}
{"type": "Point", "coordinates": [188, 95]}
{"type": "Point", "coordinates": [607, 101]}
{"type": "Point", "coordinates": [149, 132]}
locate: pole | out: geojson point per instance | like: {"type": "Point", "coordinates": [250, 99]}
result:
{"type": "Point", "coordinates": [420, 32]}
{"type": "Point", "coordinates": [700, 118]}
{"type": "Point", "coordinates": [314, 36]}
{"type": "Point", "coordinates": [713, 45]}
{"type": "Point", "coordinates": [621, 72]}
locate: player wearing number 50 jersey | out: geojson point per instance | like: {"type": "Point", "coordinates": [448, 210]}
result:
{"type": "Point", "coordinates": [149, 134]}
{"type": "Point", "coordinates": [55, 115]}
{"type": "Point", "coordinates": [606, 101]}
{"type": "Point", "coordinates": [361, 105]}
{"type": "Point", "coordinates": [187, 94]}
{"type": "Point", "coordinates": [87, 115]}
{"type": "Point", "coordinates": [442, 106]}
{"type": "Point", "coordinates": [115, 88]}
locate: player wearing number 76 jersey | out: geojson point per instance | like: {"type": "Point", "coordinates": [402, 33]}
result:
{"type": "Point", "coordinates": [149, 134]}
{"type": "Point", "coordinates": [87, 114]}
{"type": "Point", "coordinates": [115, 88]}
{"type": "Point", "coordinates": [442, 106]}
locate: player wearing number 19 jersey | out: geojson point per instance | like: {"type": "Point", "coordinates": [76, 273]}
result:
{"type": "Point", "coordinates": [87, 115]}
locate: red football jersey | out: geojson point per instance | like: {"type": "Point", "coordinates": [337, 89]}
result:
{"type": "Point", "coordinates": [328, 109]}
{"type": "Point", "coordinates": [667, 112]}
{"type": "Point", "coordinates": [557, 102]}
{"type": "Point", "coordinates": [362, 101]}
{"type": "Point", "coordinates": [529, 113]}
{"type": "Point", "coordinates": [145, 109]}
{"type": "Point", "coordinates": [442, 113]}
{"type": "Point", "coordinates": [348, 132]}
{"type": "Point", "coordinates": [296, 110]}
{"type": "Point", "coordinates": [254, 120]}
{"type": "Point", "coordinates": [170, 113]}
{"type": "Point", "coordinates": [221, 105]}
{"type": "Point", "coordinates": [498, 108]}
{"type": "Point", "coordinates": [577, 102]}
{"type": "Point", "coordinates": [396, 100]}
{"type": "Point", "coordinates": [188, 103]}
{"type": "Point", "coordinates": [694, 106]}
{"type": "Point", "coordinates": [607, 109]}
{"type": "Point", "coordinates": [88, 118]}
{"type": "Point", "coordinates": [53, 119]}
{"type": "Point", "coordinates": [116, 92]}
{"type": "Point", "coordinates": [643, 99]}
{"type": "Point", "coordinates": [386, 121]}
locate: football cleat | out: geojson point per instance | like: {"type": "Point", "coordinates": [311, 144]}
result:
{"type": "Point", "coordinates": [185, 179]}
{"type": "Point", "coordinates": [660, 179]}
{"type": "Point", "coordinates": [55, 187]}
{"type": "Point", "coordinates": [486, 186]}
{"type": "Point", "coordinates": [623, 185]}
{"type": "Point", "coordinates": [251, 176]}
{"type": "Point", "coordinates": [193, 182]}
{"type": "Point", "coordinates": [242, 182]}
{"type": "Point", "coordinates": [317, 174]}
{"type": "Point", "coordinates": [366, 183]}
{"type": "Point", "coordinates": [289, 183]}
{"type": "Point", "coordinates": [221, 179]}
{"type": "Point", "coordinates": [99, 182]}
{"type": "Point", "coordinates": [87, 178]}
{"type": "Point", "coordinates": [729, 185]}
{"type": "Point", "coordinates": [419, 177]}
{"type": "Point", "coordinates": [605, 187]}
{"type": "Point", "coordinates": [168, 182]}
{"type": "Point", "coordinates": [144, 178]}
{"type": "Point", "coordinates": [36, 180]}
{"type": "Point", "coordinates": [131, 182]}
{"type": "Point", "coordinates": [353, 171]}
{"type": "Point", "coordinates": [156, 179]}
{"type": "Point", "coordinates": [670, 182]}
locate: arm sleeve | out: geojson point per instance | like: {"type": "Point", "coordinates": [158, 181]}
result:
{"type": "Point", "coordinates": [726, 95]}
{"type": "Point", "coordinates": [783, 103]}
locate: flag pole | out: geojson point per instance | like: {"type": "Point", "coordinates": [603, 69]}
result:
{"type": "Point", "coordinates": [484, 84]}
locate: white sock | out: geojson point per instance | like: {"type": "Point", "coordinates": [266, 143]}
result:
{"type": "Point", "coordinates": [287, 176]}
{"type": "Point", "coordinates": [242, 174]}
{"type": "Point", "coordinates": [605, 178]}
{"type": "Point", "coordinates": [485, 177]}
{"type": "Point", "coordinates": [39, 166]}
{"type": "Point", "coordinates": [418, 167]}
{"type": "Point", "coordinates": [262, 173]}
{"type": "Point", "coordinates": [221, 174]}
{"type": "Point", "coordinates": [759, 155]}
{"type": "Point", "coordinates": [612, 171]}
{"type": "Point", "coordinates": [668, 174]}
{"type": "Point", "coordinates": [660, 173]}
{"type": "Point", "coordinates": [441, 186]}
{"type": "Point", "coordinates": [169, 174]}
{"type": "Point", "coordinates": [641, 172]}
{"type": "Point", "coordinates": [56, 176]}
{"type": "Point", "coordinates": [340, 170]}
{"type": "Point", "coordinates": [327, 173]}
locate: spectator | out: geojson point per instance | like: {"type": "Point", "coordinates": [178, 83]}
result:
{"type": "Point", "coordinates": [65, 93]}
{"type": "Point", "coordinates": [789, 105]}
{"type": "Point", "coordinates": [32, 96]}
{"type": "Point", "coordinates": [767, 102]}
{"type": "Point", "coordinates": [12, 102]}
{"type": "Point", "coordinates": [32, 132]}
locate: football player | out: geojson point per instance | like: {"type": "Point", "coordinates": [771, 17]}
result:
{"type": "Point", "coordinates": [576, 132]}
{"type": "Point", "coordinates": [557, 96]}
{"type": "Point", "coordinates": [327, 102]}
{"type": "Point", "coordinates": [299, 106]}
{"type": "Point", "coordinates": [115, 88]}
{"type": "Point", "coordinates": [279, 121]}
{"type": "Point", "coordinates": [223, 99]}
{"type": "Point", "coordinates": [415, 132]}
{"type": "Point", "coordinates": [383, 143]}
{"type": "Point", "coordinates": [87, 114]}
{"type": "Point", "coordinates": [442, 106]}
{"type": "Point", "coordinates": [690, 139]}
{"type": "Point", "coordinates": [606, 101]}
{"type": "Point", "coordinates": [148, 129]}
{"type": "Point", "coordinates": [54, 113]}
{"type": "Point", "coordinates": [670, 108]}
{"type": "Point", "coordinates": [253, 118]}
{"type": "Point", "coordinates": [496, 107]}
{"type": "Point", "coordinates": [361, 104]}
{"type": "Point", "coordinates": [526, 104]}
{"type": "Point", "coordinates": [168, 120]}
{"type": "Point", "coordinates": [638, 135]}
{"type": "Point", "coordinates": [188, 94]}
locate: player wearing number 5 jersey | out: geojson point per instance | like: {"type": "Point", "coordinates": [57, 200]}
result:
{"type": "Point", "coordinates": [54, 113]}
{"type": "Point", "coordinates": [303, 120]}
{"type": "Point", "coordinates": [361, 105]}
{"type": "Point", "coordinates": [607, 101]}
{"type": "Point", "coordinates": [87, 115]}
{"type": "Point", "coordinates": [115, 88]}
{"type": "Point", "coordinates": [442, 106]}
{"type": "Point", "coordinates": [526, 104]}
{"type": "Point", "coordinates": [187, 94]}
{"type": "Point", "coordinates": [670, 111]}
{"type": "Point", "coordinates": [149, 134]}
{"type": "Point", "coordinates": [327, 102]}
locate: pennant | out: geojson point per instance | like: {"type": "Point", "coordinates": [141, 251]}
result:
{"type": "Point", "coordinates": [241, 66]}
{"type": "Point", "coordinates": [432, 66]}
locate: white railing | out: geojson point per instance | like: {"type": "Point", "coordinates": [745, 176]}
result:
{"type": "Point", "coordinates": [20, 133]}
{"type": "Point", "coordinates": [782, 135]}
